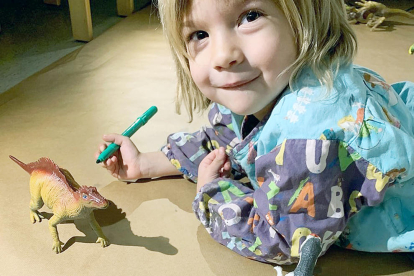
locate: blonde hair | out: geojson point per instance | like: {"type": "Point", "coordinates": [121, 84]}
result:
{"type": "Point", "coordinates": [324, 40]}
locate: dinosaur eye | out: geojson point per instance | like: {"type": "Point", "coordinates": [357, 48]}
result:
{"type": "Point", "coordinates": [84, 196]}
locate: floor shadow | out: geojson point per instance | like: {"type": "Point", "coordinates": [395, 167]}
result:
{"type": "Point", "coordinates": [114, 220]}
{"type": "Point", "coordinates": [177, 190]}
{"type": "Point", "coordinates": [118, 230]}
{"type": "Point", "coordinates": [389, 26]}
{"type": "Point", "coordinates": [218, 256]}
{"type": "Point", "coordinates": [337, 261]}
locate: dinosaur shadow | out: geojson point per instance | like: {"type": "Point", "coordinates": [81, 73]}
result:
{"type": "Point", "coordinates": [117, 228]}
{"type": "Point", "coordinates": [390, 26]}
{"type": "Point", "coordinates": [114, 222]}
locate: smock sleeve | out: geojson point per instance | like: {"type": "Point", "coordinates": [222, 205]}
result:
{"type": "Point", "coordinates": [187, 150]}
{"type": "Point", "coordinates": [306, 187]}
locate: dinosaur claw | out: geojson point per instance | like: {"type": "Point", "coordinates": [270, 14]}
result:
{"type": "Point", "coordinates": [57, 247]}
{"type": "Point", "coordinates": [35, 217]}
{"type": "Point", "coordinates": [103, 241]}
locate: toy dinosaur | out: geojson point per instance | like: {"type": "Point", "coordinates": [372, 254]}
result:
{"type": "Point", "coordinates": [56, 188]}
{"type": "Point", "coordinates": [373, 14]}
{"type": "Point", "coordinates": [309, 253]}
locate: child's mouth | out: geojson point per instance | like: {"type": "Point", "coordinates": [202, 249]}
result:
{"type": "Point", "coordinates": [238, 84]}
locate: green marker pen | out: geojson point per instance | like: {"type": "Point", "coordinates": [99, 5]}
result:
{"type": "Point", "coordinates": [142, 120]}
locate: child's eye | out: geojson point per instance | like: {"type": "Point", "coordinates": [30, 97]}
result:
{"type": "Point", "coordinates": [250, 17]}
{"type": "Point", "coordinates": [198, 35]}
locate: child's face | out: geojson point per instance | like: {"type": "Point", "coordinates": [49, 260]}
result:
{"type": "Point", "coordinates": [238, 50]}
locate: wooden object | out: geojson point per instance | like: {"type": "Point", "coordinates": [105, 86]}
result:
{"type": "Point", "coordinates": [80, 16]}
{"type": "Point", "coordinates": [125, 7]}
{"type": "Point", "coordinates": [52, 2]}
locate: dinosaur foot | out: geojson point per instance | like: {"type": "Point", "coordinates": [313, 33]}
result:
{"type": "Point", "coordinates": [103, 241]}
{"type": "Point", "coordinates": [35, 216]}
{"type": "Point", "coordinates": [57, 247]}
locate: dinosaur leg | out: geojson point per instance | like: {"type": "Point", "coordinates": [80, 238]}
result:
{"type": "Point", "coordinates": [36, 203]}
{"type": "Point", "coordinates": [57, 244]}
{"type": "Point", "coordinates": [34, 214]}
{"type": "Point", "coordinates": [95, 226]}
{"type": "Point", "coordinates": [375, 23]}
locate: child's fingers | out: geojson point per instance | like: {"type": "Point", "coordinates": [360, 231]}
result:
{"type": "Point", "coordinates": [211, 167]}
{"type": "Point", "coordinates": [227, 165]}
{"type": "Point", "coordinates": [115, 138]}
{"type": "Point", "coordinates": [112, 161]}
{"type": "Point", "coordinates": [111, 164]}
{"type": "Point", "coordinates": [208, 160]}
{"type": "Point", "coordinates": [226, 169]}
{"type": "Point", "coordinates": [101, 148]}
{"type": "Point", "coordinates": [110, 138]}
{"type": "Point", "coordinates": [221, 156]}
{"type": "Point", "coordinates": [217, 158]}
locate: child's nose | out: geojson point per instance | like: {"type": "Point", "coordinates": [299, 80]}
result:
{"type": "Point", "coordinates": [226, 54]}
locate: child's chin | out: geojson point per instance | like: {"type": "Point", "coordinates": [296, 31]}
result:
{"type": "Point", "coordinates": [243, 111]}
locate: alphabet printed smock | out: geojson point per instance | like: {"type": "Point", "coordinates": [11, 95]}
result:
{"type": "Point", "coordinates": [336, 165]}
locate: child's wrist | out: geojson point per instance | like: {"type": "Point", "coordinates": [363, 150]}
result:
{"type": "Point", "coordinates": [155, 164]}
{"type": "Point", "coordinates": [143, 166]}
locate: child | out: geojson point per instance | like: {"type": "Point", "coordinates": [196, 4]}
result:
{"type": "Point", "coordinates": [301, 139]}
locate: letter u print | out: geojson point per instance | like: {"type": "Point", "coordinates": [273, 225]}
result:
{"type": "Point", "coordinates": [311, 153]}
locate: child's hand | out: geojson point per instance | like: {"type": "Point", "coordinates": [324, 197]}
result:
{"type": "Point", "coordinates": [124, 163]}
{"type": "Point", "coordinates": [216, 164]}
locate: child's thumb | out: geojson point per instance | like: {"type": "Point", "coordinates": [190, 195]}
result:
{"type": "Point", "coordinates": [114, 138]}
{"type": "Point", "coordinates": [220, 158]}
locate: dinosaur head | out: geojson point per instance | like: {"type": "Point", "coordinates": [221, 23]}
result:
{"type": "Point", "coordinates": [91, 198]}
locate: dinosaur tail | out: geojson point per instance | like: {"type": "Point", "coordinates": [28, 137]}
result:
{"type": "Point", "coordinates": [21, 164]}
{"type": "Point", "coordinates": [403, 13]}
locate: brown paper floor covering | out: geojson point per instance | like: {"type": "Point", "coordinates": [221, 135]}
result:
{"type": "Point", "coordinates": [62, 112]}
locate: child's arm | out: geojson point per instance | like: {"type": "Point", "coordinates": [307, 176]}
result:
{"type": "Point", "coordinates": [182, 154]}
{"type": "Point", "coordinates": [128, 163]}
{"type": "Point", "coordinates": [187, 150]}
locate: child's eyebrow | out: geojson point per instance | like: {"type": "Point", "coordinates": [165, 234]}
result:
{"type": "Point", "coordinates": [188, 23]}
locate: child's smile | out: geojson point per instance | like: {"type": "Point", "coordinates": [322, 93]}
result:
{"type": "Point", "coordinates": [239, 46]}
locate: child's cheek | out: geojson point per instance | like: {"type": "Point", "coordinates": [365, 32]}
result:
{"type": "Point", "coordinates": [199, 76]}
